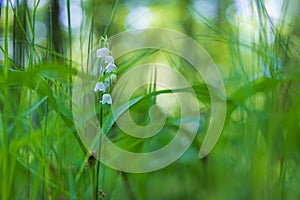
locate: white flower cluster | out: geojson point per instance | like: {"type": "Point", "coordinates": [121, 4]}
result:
{"type": "Point", "coordinates": [109, 72]}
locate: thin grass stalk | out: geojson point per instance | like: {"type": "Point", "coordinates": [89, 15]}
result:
{"type": "Point", "coordinates": [4, 135]}
{"type": "Point", "coordinates": [70, 49]}
{"type": "Point", "coordinates": [90, 40]}
{"type": "Point", "coordinates": [31, 64]}
{"type": "Point", "coordinates": [81, 36]}
{"type": "Point", "coordinates": [46, 149]}
{"type": "Point", "coordinates": [50, 41]}
{"type": "Point", "coordinates": [111, 17]}
{"type": "Point", "coordinates": [98, 161]}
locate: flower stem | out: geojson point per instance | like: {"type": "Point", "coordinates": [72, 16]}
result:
{"type": "Point", "coordinates": [98, 164]}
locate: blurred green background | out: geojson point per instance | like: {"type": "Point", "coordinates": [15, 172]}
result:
{"type": "Point", "coordinates": [254, 43]}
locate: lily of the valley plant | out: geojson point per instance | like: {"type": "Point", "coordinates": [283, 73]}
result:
{"type": "Point", "coordinates": [108, 70]}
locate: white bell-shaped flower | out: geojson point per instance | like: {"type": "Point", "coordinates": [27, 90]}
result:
{"type": "Point", "coordinates": [108, 59]}
{"type": "Point", "coordinates": [106, 99]}
{"type": "Point", "coordinates": [100, 86]}
{"type": "Point", "coordinates": [110, 79]}
{"type": "Point", "coordinates": [113, 77]}
{"type": "Point", "coordinates": [103, 52]}
{"type": "Point", "coordinates": [111, 67]}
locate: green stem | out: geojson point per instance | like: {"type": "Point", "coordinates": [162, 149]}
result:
{"type": "Point", "coordinates": [5, 143]}
{"type": "Point", "coordinates": [6, 38]}
{"type": "Point", "coordinates": [99, 161]}
{"type": "Point", "coordinates": [70, 48]}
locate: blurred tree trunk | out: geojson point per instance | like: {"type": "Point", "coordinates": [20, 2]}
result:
{"type": "Point", "coordinates": [188, 23]}
{"type": "Point", "coordinates": [55, 29]}
{"type": "Point", "coordinates": [19, 47]}
{"type": "Point", "coordinates": [19, 34]}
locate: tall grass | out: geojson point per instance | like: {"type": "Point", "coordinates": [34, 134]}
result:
{"type": "Point", "coordinates": [42, 156]}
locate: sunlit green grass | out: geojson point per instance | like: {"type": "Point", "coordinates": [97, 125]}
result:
{"type": "Point", "coordinates": [42, 156]}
